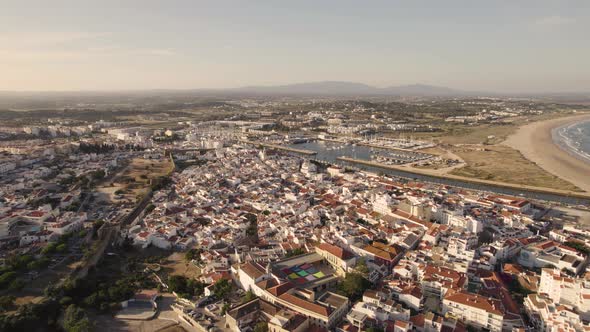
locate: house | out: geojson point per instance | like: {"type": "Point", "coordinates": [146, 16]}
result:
{"type": "Point", "coordinates": [547, 316]}
{"type": "Point", "coordinates": [340, 259]}
{"type": "Point", "coordinates": [37, 237]}
{"type": "Point", "coordinates": [544, 253]}
{"type": "Point", "coordinates": [475, 310]}
{"type": "Point", "coordinates": [240, 317]}
{"type": "Point", "coordinates": [288, 321]}
{"type": "Point", "coordinates": [562, 289]}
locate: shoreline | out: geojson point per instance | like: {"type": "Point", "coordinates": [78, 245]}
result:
{"type": "Point", "coordinates": [565, 142]}
{"type": "Point", "coordinates": [536, 141]}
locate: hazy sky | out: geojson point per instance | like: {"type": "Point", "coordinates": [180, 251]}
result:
{"type": "Point", "coordinates": [494, 45]}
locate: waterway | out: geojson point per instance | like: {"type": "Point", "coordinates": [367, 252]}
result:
{"type": "Point", "coordinates": [329, 152]}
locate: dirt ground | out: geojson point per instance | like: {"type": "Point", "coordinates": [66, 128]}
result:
{"type": "Point", "coordinates": [176, 264]}
{"type": "Point", "coordinates": [166, 320]}
{"type": "Point", "coordinates": [504, 164]}
{"type": "Point", "coordinates": [579, 217]}
{"type": "Point", "coordinates": [133, 180]}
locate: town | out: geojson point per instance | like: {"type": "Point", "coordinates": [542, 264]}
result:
{"type": "Point", "coordinates": [249, 225]}
{"type": "Point", "coordinates": [294, 166]}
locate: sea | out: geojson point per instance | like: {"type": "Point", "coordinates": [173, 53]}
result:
{"type": "Point", "coordinates": [574, 138]}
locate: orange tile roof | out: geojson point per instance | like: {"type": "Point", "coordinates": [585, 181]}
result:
{"type": "Point", "coordinates": [254, 270]}
{"type": "Point", "coordinates": [336, 251]}
{"type": "Point", "coordinates": [477, 301]}
{"type": "Point", "coordinates": [310, 306]}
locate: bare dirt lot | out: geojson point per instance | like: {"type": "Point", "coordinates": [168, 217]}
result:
{"type": "Point", "coordinates": [133, 180]}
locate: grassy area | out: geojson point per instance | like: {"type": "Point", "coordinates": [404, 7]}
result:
{"type": "Point", "coordinates": [176, 264]}
{"type": "Point", "coordinates": [482, 134]}
{"type": "Point", "coordinates": [457, 133]}
{"type": "Point", "coordinates": [504, 164]}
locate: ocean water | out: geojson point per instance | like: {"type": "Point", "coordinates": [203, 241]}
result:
{"type": "Point", "coordinates": [575, 138]}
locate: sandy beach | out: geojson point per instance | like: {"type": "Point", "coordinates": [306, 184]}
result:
{"type": "Point", "coordinates": [535, 142]}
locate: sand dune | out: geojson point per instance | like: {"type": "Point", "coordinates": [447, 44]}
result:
{"type": "Point", "coordinates": [535, 142]}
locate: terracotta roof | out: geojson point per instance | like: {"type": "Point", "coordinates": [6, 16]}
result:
{"type": "Point", "coordinates": [254, 270]}
{"type": "Point", "coordinates": [268, 283]}
{"type": "Point", "coordinates": [477, 301]}
{"type": "Point", "coordinates": [418, 320]}
{"type": "Point", "coordinates": [310, 306]}
{"type": "Point", "coordinates": [382, 251]}
{"type": "Point", "coordinates": [280, 289]}
{"type": "Point", "coordinates": [336, 251]}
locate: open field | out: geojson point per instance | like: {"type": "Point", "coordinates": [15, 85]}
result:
{"type": "Point", "coordinates": [456, 133]}
{"type": "Point", "coordinates": [487, 157]}
{"type": "Point", "coordinates": [504, 164]}
{"type": "Point", "coordinates": [482, 134]}
{"type": "Point", "coordinates": [133, 180]}
{"type": "Point", "coordinates": [487, 133]}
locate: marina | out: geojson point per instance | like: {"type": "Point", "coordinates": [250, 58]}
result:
{"type": "Point", "coordinates": [359, 157]}
{"type": "Point", "coordinates": [331, 151]}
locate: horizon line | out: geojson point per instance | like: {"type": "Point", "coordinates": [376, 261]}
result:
{"type": "Point", "coordinates": [459, 91]}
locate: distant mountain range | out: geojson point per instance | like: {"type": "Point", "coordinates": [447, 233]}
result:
{"type": "Point", "coordinates": [323, 88]}
{"type": "Point", "coordinates": [350, 88]}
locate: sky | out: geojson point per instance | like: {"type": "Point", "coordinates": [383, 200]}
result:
{"type": "Point", "coordinates": [495, 46]}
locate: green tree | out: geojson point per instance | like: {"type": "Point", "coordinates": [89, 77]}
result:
{"type": "Point", "coordinates": [61, 248]}
{"type": "Point", "coordinates": [224, 309]}
{"type": "Point", "coordinates": [6, 278]}
{"type": "Point", "coordinates": [49, 248]}
{"type": "Point", "coordinates": [6, 302]}
{"type": "Point", "coordinates": [374, 329]}
{"type": "Point", "coordinates": [353, 286]}
{"type": "Point", "coordinates": [92, 300]}
{"type": "Point", "coordinates": [249, 296]}
{"type": "Point", "coordinates": [579, 246]}
{"type": "Point", "coordinates": [41, 263]}
{"type": "Point", "coordinates": [150, 208]}
{"type": "Point", "coordinates": [19, 262]}
{"type": "Point", "coordinates": [76, 320]}
{"type": "Point", "coordinates": [222, 288]}
{"type": "Point", "coordinates": [98, 175]}
{"type": "Point", "coordinates": [192, 254]}
{"type": "Point", "coordinates": [16, 284]}
{"type": "Point", "coordinates": [66, 300]}
{"type": "Point", "coordinates": [185, 287]}
{"type": "Point", "coordinates": [295, 252]}
{"type": "Point", "coordinates": [361, 267]}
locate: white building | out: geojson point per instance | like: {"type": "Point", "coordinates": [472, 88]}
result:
{"type": "Point", "coordinates": [574, 292]}
{"type": "Point", "coordinates": [382, 204]}
{"type": "Point", "coordinates": [475, 310]}
{"type": "Point", "coordinates": [547, 316]}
